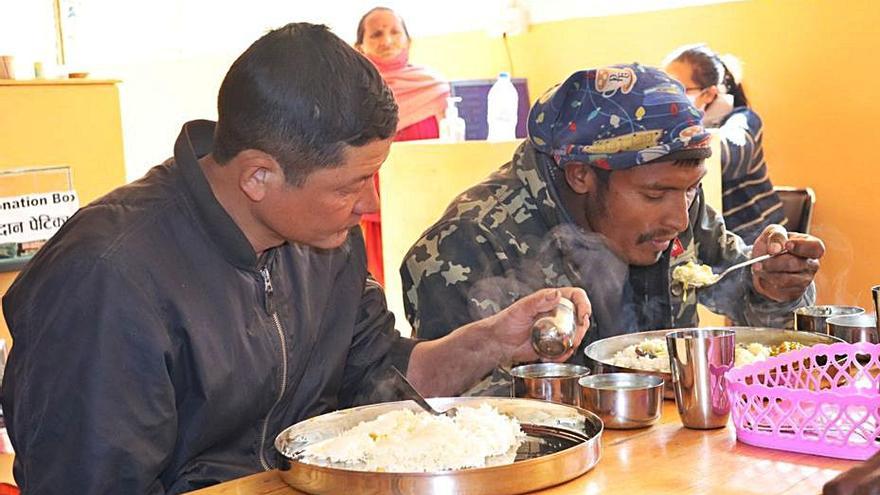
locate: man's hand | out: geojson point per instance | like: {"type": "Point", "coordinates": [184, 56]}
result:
{"type": "Point", "coordinates": [863, 479]}
{"type": "Point", "coordinates": [449, 365]}
{"type": "Point", "coordinates": [512, 326]}
{"type": "Point", "coordinates": [786, 277]}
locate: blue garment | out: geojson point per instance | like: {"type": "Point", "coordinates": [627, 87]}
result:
{"type": "Point", "coordinates": [617, 117]}
{"type": "Point", "coordinates": [749, 202]}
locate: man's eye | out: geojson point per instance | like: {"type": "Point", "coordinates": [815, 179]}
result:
{"type": "Point", "coordinates": [354, 188]}
{"type": "Point", "coordinates": [653, 196]}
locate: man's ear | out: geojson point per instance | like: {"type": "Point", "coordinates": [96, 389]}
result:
{"type": "Point", "coordinates": [710, 94]}
{"type": "Point", "coordinates": [580, 177]}
{"type": "Point", "coordinates": [259, 172]}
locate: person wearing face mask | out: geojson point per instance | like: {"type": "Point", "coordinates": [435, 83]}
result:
{"type": "Point", "coordinates": [748, 199]}
{"type": "Point", "coordinates": [605, 195]}
{"type": "Point", "coordinates": [420, 95]}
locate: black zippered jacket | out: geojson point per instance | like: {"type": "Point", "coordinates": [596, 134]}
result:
{"type": "Point", "coordinates": [147, 357]}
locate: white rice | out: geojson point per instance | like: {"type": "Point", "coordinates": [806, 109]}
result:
{"type": "Point", "coordinates": [751, 353]}
{"type": "Point", "coordinates": [657, 356]}
{"type": "Point", "coordinates": [406, 441]}
{"type": "Point", "coordinates": [693, 274]}
{"type": "Point", "coordinates": [629, 358]}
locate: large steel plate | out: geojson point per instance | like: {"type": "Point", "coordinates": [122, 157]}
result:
{"type": "Point", "coordinates": [601, 353]}
{"type": "Point", "coordinates": [562, 443]}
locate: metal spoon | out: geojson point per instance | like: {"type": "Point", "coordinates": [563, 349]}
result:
{"type": "Point", "coordinates": [410, 392]}
{"type": "Point", "coordinates": [744, 264]}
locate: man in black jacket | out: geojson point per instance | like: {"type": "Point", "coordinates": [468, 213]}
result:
{"type": "Point", "coordinates": [172, 328]}
{"type": "Point", "coordinates": [863, 479]}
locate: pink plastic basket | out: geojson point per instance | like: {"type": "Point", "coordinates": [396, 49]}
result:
{"type": "Point", "coordinates": [821, 400]}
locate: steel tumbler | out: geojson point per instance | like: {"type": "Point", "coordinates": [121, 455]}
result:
{"type": "Point", "coordinates": [875, 293]}
{"type": "Point", "coordinates": [698, 360]}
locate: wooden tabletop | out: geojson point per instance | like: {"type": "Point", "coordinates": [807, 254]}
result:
{"type": "Point", "coordinates": [663, 459]}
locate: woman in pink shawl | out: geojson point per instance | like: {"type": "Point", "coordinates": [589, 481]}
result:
{"type": "Point", "coordinates": [421, 97]}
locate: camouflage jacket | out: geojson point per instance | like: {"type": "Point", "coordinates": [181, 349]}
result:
{"type": "Point", "coordinates": [509, 236]}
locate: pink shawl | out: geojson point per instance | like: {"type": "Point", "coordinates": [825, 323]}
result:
{"type": "Point", "coordinates": [418, 92]}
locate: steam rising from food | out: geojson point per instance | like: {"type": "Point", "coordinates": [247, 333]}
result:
{"type": "Point", "coordinates": [588, 263]}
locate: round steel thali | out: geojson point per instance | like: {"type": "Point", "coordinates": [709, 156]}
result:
{"type": "Point", "coordinates": [601, 353]}
{"type": "Point", "coordinates": [562, 442]}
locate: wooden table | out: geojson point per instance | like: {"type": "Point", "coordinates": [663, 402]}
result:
{"type": "Point", "coordinates": [663, 459]}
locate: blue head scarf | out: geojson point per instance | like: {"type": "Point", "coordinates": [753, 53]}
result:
{"type": "Point", "coordinates": [616, 118]}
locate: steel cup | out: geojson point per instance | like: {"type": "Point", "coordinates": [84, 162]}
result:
{"type": "Point", "coordinates": [854, 328]}
{"type": "Point", "coordinates": [814, 318]}
{"type": "Point", "coordinates": [698, 360]}
{"type": "Point", "coordinates": [554, 382]}
{"type": "Point", "coordinates": [623, 400]}
{"type": "Point", "coordinates": [875, 292]}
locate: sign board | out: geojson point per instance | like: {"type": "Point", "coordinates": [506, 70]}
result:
{"type": "Point", "coordinates": [35, 217]}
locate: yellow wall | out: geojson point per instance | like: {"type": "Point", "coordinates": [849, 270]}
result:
{"type": "Point", "coordinates": [74, 123]}
{"type": "Point", "coordinates": [810, 72]}
{"type": "Point", "coordinates": [418, 181]}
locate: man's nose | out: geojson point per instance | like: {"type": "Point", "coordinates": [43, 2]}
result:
{"type": "Point", "coordinates": [368, 202]}
{"type": "Point", "coordinates": [676, 214]}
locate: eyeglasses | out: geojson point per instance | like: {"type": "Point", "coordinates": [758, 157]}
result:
{"type": "Point", "coordinates": [694, 88]}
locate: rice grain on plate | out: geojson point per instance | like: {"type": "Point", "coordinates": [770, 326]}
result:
{"type": "Point", "coordinates": [652, 355]}
{"type": "Point", "coordinates": [407, 441]}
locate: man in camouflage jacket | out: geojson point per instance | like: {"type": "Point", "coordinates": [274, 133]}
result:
{"type": "Point", "coordinates": [603, 195]}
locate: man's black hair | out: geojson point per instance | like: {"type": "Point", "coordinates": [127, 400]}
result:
{"type": "Point", "coordinates": [301, 95]}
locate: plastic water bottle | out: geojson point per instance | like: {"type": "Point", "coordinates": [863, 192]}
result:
{"type": "Point", "coordinates": [502, 109]}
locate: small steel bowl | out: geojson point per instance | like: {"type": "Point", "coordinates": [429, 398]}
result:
{"type": "Point", "coordinates": [554, 382]}
{"type": "Point", "coordinates": [815, 318]}
{"type": "Point", "coordinates": [854, 328]}
{"type": "Point", "coordinates": [623, 400]}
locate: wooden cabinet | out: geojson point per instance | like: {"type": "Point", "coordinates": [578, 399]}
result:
{"type": "Point", "coordinates": [49, 123]}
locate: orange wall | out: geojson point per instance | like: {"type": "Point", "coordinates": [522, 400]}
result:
{"type": "Point", "coordinates": [810, 71]}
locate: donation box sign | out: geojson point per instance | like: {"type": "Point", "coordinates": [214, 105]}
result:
{"type": "Point", "coordinates": [35, 217]}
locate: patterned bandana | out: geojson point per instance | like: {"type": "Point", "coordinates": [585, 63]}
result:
{"type": "Point", "coordinates": [616, 118]}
